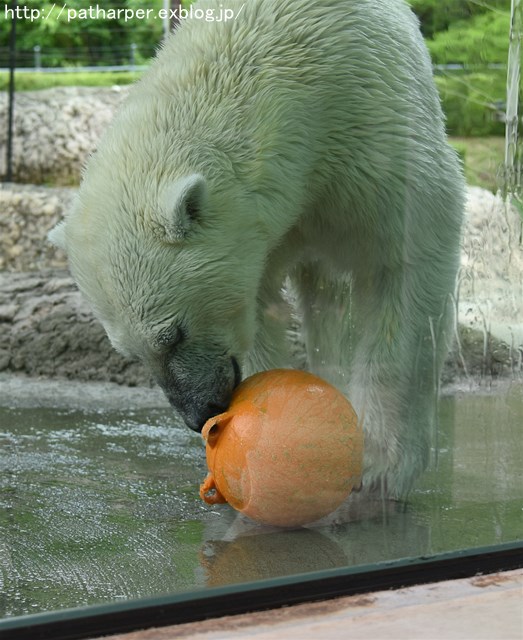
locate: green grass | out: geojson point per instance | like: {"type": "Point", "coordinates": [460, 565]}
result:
{"type": "Point", "coordinates": [483, 158]}
{"type": "Point", "coordinates": [33, 81]}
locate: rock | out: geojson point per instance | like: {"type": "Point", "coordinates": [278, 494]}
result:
{"type": "Point", "coordinates": [27, 213]}
{"type": "Point", "coordinates": [55, 130]}
{"type": "Point", "coordinates": [47, 329]}
{"type": "Point", "coordinates": [489, 299]}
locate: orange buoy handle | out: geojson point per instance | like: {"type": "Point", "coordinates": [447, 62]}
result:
{"type": "Point", "coordinates": [209, 491]}
{"type": "Point", "coordinates": [212, 428]}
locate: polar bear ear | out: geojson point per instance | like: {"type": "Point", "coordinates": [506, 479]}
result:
{"type": "Point", "coordinates": [57, 235]}
{"type": "Point", "coordinates": [181, 206]}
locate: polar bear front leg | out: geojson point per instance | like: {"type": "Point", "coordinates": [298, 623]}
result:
{"type": "Point", "coordinates": [324, 306]}
{"type": "Point", "coordinates": [373, 337]}
{"type": "Point", "coordinates": [271, 347]}
{"type": "Point", "coordinates": [395, 369]}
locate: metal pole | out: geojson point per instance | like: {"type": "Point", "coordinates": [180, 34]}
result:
{"type": "Point", "coordinates": [512, 170]}
{"type": "Point", "coordinates": [12, 65]}
{"type": "Point", "coordinates": [38, 57]}
{"type": "Point", "coordinates": [175, 19]}
{"type": "Point", "coordinates": [166, 21]}
{"type": "Point", "coordinates": [133, 55]}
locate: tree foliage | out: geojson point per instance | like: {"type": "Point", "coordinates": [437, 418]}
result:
{"type": "Point", "coordinates": [465, 31]}
{"type": "Point", "coordinates": [438, 15]}
{"type": "Point", "coordinates": [478, 41]}
{"type": "Point", "coordinates": [86, 41]}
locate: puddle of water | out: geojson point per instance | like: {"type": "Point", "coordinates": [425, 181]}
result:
{"type": "Point", "coordinates": [98, 507]}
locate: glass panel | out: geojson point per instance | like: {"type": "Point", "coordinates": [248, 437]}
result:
{"type": "Point", "coordinates": [102, 506]}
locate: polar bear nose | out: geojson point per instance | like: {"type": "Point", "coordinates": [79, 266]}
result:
{"type": "Point", "coordinates": [201, 392]}
{"type": "Point", "coordinates": [211, 410]}
{"type": "Point", "coordinates": [214, 407]}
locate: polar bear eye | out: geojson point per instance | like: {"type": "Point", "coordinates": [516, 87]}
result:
{"type": "Point", "coordinates": [170, 337]}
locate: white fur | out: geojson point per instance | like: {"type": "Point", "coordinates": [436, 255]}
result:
{"type": "Point", "coordinates": [319, 135]}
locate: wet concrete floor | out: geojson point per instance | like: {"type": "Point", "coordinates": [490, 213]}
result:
{"type": "Point", "coordinates": [99, 499]}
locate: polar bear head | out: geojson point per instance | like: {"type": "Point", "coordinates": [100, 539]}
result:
{"type": "Point", "coordinates": [173, 280]}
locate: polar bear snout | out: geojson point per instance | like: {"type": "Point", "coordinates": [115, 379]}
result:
{"type": "Point", "coordinates": [201, 391]}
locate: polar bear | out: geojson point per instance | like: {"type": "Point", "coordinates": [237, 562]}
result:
{"type": "Point", "coordinates": [298, 144]}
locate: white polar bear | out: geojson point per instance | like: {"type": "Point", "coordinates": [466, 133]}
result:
{"type": "Point", "coordinates": [299, 142]}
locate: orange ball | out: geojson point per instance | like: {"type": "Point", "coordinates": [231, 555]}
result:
{"type": "Point", "coordinates": [288, 450]}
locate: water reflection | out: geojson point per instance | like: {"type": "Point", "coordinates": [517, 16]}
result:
{"type": "Point", "coordinates": [100, 507]}
{"type": "Point", "coordinates": [268, 555]}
